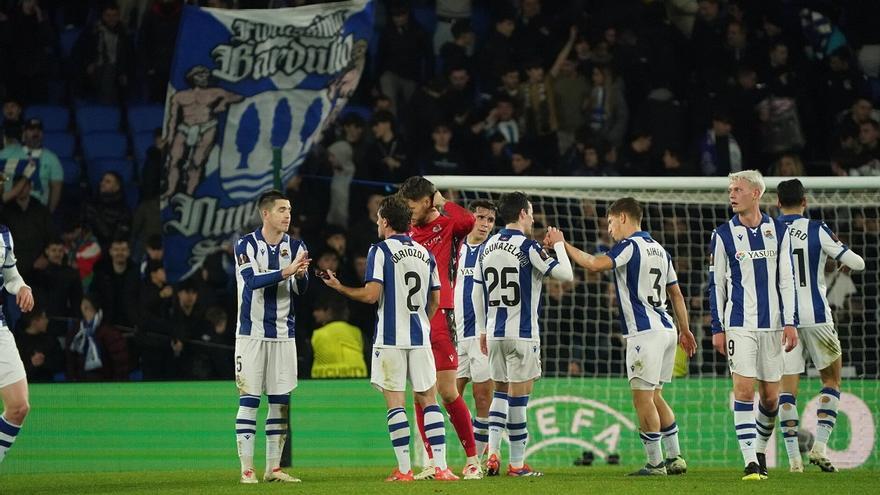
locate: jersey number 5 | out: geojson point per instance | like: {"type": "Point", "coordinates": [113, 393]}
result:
{"type": "Point", "coordinates": [508, 282]}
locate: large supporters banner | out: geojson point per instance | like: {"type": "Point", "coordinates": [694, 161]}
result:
{"type": "Point", "coordinates": [250, 91]}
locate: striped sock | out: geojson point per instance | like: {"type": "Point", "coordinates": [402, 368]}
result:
{"type": "Point", "coordinates": [788, 422]}
{"type": "Point", "coordinates": [398, 428]}
{"type": "Point", "coordinates": [481, 434]}
{"type": "Point", "coordinates": [827, 413]}
{"type": "Point", "coordinates": [246, 429]}
{"type": "Point", "coordinates": [276, 429]}
{"type": "Point", "coordinates": [744, 422]}
{"type": "Point", "coordinates": [764, 424]}
{"type": "Point", "coordinates": [497, 421]}
{"type": "Point", "coordinates": [517, 428]}
{"type": "Point", "coordinates": [670, 440]}
{"type": "Point", "coordinates": [651, 441]}
{"type": "Point", "coordinates": [435, 430]}
{"type": "Point", "coordinates": [8, 432]}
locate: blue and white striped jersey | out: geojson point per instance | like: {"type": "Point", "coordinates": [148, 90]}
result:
{"type": "Point", "coordinates": [512, 268]}
{"type": "Point", "coordinates": [642, 272]}
{"type": "Point", "coordinates": [751, 277]}
{"type": "Point", "coordinates": [10, 279]}
{"type": "Point", "coordinates": [408, 274]}
{"type": "Point", "coordinates": [812, 242]}
{"type": "Point", "coordinates": [265, 298]}
{"type": "Point", "coordinates": [470, 311]}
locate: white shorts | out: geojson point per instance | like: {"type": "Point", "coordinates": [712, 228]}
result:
{"type": "Point", "coordinates": [514, 361]}
{"type": "Point", "coordinates": [11, 367]}
{"type": "Point", "coordinates": [650, 356]}
{"type": "Point", "coordinates": [820, 343]}
{"type": "Point", "coordinates": [391, 367]}
{"type": "Point", "coordinates": [265, 366]}
{"type": "Point", "coordinates": [755, 354]}
{"type": "Point", "coordinates": [472, 363]}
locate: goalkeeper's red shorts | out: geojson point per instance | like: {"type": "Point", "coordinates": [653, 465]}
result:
{"type": "Point", "coordinates": [445, 355]}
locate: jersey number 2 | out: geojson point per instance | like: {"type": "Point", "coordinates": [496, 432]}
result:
{"type": "Point", "coordinates": [413, 289]}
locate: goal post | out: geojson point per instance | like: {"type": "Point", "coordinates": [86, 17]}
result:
{"type": "Point", "coordinates": [584, 405]}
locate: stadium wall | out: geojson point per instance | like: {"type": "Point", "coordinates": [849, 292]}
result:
{"type": "Point", "coordinates": [188, 425]}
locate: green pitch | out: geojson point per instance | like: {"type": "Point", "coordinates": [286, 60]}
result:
{"type": "Point", "coordinates": [367, 481]}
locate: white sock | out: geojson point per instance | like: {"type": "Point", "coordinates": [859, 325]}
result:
{"type": "Point", "coordinates": [398, 429]}
{"type": "Point", "coordinates": [764, 424]}
{"type": "Point", "coordinates": [481, 434]}
{"type": "Point", "coordinates": [276, 429]}
{"type": "Point", "coordinates": [788, 422]}
{"type": "Point", "coordinates": [246, 429]}
{"type": "Point", "coordinates": [435, 430]}
{"type": "Point", "coordinates": [670, 440]}
{"type": "Point", "coordinates": [744, 422]}
{"type": "Point", "coordinates": [497, 421]}
{"type": "Point", "coordinates": [517, 428]}
{"type": "Point", "coordinates": [827, 413]}
{"type": "Point", "coordinates": [651, 441]}
{"type": "Point", "coordinates": [8, 433]}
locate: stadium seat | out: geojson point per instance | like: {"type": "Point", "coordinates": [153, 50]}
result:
{"type": "Point", "coordinates": [91, 118]}
{"type": "Point", "coordinates": [54, 117]}
{"type": "Point", "coordinates": [97, 168]}
{"type": "Point", "coordinates": [104, 145]}
{"type": "Point", "coordinates": [426, 17]}
{"type": "Point", "coordinates": [142, 142]}
{"type": "Point", "coordinates": [61, 143]}
{"type": "Point", "coordinates": [144, 118]}
{"type": "Point", "coordinates": [67, 39]}
{"type": "Point", "coordinates": [71, 170]}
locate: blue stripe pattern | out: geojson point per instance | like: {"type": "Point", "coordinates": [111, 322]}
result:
{"type": "Point", "coordinates": [632, 284]}
{"type": "Point", "coordinates": [249, 401]}
{"type": "Point", "coordinates": [279, 399]}
{"type": "Point", "coordinates": [4, 443]}
{"type": "Point", "coordinates": [276, 421]}
{"type": "Point", "coordinates": [521, 401]}
{"type": "Point", "coordinates": [830, 391]}
{"type": "Point", "coordinates": [470, 318]}
{"type": "Point", "coordinates": [814, 246]}
{"type": "Point", "coordinates": [276, 432]}
{"type": "Point", "coordinates": [525, 284]}
{"type": "Point", "coordinates": [240, 421]}
{"type": "Point", "coordinates": [244, 316]}
{"type": "Point", "coordinates": [762, 276]}
{"type": "Point", "coordinates": [389, 335]}
{"type": "Point", "coordinates": [517, 438]}
{"type": "Point", "coordinates": [270, 298]}
{"type": "Point", "coordinates": [737, 313]}
{"type": "Point", "coordinates": [7, 428]}
{"type": "Point", "coordinates": [739, 405]}
{"type": "Point", "coordinates": [500, 321]}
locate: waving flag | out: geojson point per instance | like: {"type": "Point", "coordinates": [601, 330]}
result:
{"type": "Point", "coordinates": [248, 88]}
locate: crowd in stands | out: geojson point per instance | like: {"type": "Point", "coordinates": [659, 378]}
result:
{"type": "Point", "coordinates": [452, 87]}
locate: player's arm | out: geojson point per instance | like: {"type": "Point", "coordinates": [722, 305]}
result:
{"type": "Point", "coordinates": [673, 290]}
{"type": "Point", "coordinates": [480, 306]}
{"type": "Point", "coordinates": [373, 279]}
{"type": "Point", "coordinates": [244, 256]}
{"type": "Point", "coordinates": [433, 286]}
{"type": "Point", "coordinates": [300, 280]}
{"type": "Point", "coordinates": [717, 291]}
{"type": "Point", "coordinates": [788, 297]}
{"type": "Point", "coordinates": [560, 268]}
{"type": "Point", "coordinates": [462, 219]}
{"type": "Point", "coordinates": [433, 302]}
{"type": "Point", "coordinates": [12, 280]}
{"type": "Point", "coordinates": [839, 251]}
{"type": "Point", "coordinates": [592, 263]}
{"type": "Point", "coordinates": [368, 294]}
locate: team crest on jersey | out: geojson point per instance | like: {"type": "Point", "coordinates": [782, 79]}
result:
{"type": "Point", "coordinates": [768, 233]}
{"type": "Point", "coordinates": [284, 253]}
{"type": "Point", "coordinates": [437, 228]}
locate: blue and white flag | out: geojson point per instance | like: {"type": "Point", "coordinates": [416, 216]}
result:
{"type": "Point", "coordinates": [247, 86]}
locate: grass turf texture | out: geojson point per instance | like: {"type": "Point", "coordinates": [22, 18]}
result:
{"type": "Point", "coordinates": [366, 481]}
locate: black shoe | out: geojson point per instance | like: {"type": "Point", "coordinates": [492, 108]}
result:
{"type": "Point", "coordinates": [762, 463]}
{"type": "Point", "coordinates": [752, 472]}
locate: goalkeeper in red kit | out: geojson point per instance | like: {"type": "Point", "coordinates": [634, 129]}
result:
{"type": "Point", "coordinates": [440, 226]}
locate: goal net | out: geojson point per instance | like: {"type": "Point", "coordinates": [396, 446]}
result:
{"type": "Point", "coordinates": [582, 411]}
